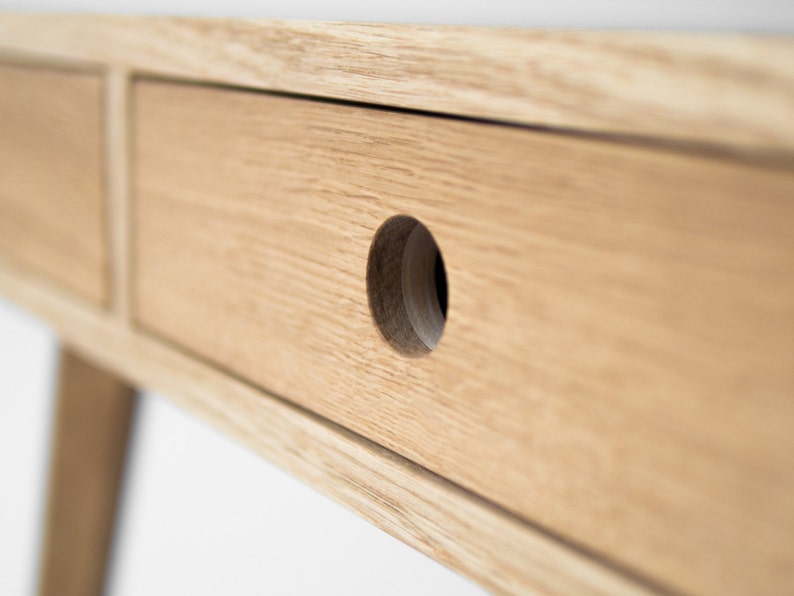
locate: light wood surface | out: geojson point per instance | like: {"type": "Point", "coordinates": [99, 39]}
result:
{"type": "Point", "coordinates": [617, 360]}
{"type": "Point", "coordinates": [92, 423]}
{"type": "Point", "coordinates": [420, 508]}
{"type": "Point", "coordinates": [609, 407]}
{"type": "Point", "coordinates": [51, 175]}
{"type": "Point", "coordinates": [734, 89]}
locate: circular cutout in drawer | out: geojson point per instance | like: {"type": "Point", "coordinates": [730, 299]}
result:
{"type": "Point", "coordinates": [407, 286]}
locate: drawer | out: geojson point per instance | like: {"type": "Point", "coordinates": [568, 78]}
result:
{"type": "Point", "coordinates": [615, 362]}
{"type": "Point", "coordinates": [51, 179]}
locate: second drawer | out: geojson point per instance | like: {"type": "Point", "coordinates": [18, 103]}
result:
{"type": "Point", "coordinates": [52, 176]}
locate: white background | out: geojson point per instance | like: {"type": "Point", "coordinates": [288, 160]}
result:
{"type": "Point", "coordinates": [737, 15]}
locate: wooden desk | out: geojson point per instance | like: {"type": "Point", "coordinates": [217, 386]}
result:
{"type": "Point", "coordinates": [523, 299]}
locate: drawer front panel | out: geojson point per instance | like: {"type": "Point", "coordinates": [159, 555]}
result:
{"type": "Point", "coordinates": [616, 364]}
{"type": "Point", "coordinates": [51, 178]}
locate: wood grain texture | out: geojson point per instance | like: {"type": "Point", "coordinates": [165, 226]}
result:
{"type": "Point", "coordinates": [51, 175]}
{"type": "Point", "coordinates": [733, 89]}
{"type": "Point", "coordinates": [423, 510]}
{"type": "Point", "coordinates": [617, 360]}
{"type": "Point", "coordinates": [92, 422]}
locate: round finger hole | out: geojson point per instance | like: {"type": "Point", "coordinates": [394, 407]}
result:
{"type": "Point", "coordinates": [407, 286]}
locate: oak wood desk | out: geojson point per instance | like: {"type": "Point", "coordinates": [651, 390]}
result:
{"type": "Point", "coordinates": [523, 299]}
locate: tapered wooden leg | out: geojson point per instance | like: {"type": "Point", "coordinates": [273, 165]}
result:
{"type": "Point", "coordinates": [92, 424]}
